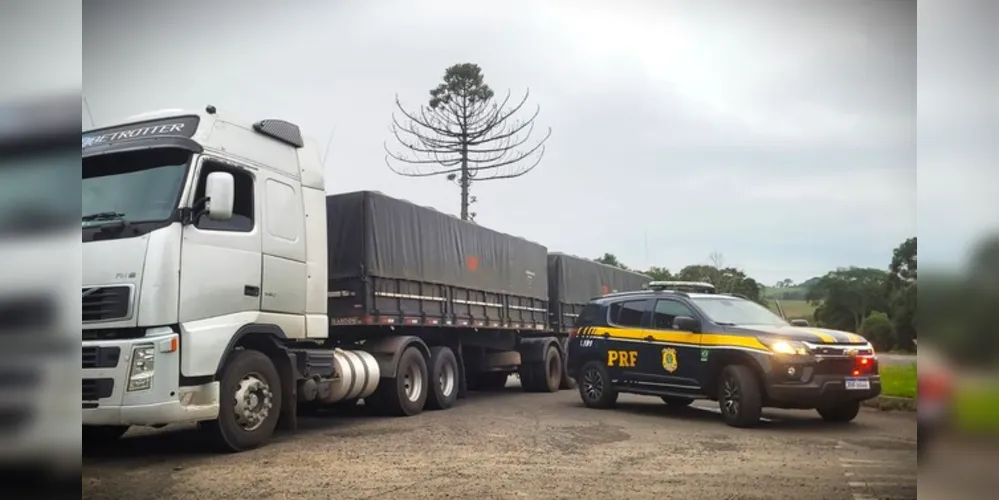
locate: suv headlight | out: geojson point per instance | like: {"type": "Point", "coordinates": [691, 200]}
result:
{"type": "Point", "coordinates": [785, 346]}
{"type": "Point", "coordinates": [140, 374]}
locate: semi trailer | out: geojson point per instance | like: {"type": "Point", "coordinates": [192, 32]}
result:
{"type": "Point", "coordinates": [222, 286]}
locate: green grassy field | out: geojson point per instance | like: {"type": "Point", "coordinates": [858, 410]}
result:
{"type": "Point", "coordinates": [898, 380]}
{"type": "Point", "coordinates": [796, 309]}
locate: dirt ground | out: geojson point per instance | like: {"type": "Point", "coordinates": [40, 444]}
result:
{"type": "Point", "coordinates": [517, 445]}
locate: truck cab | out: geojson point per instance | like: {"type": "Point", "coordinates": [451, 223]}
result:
{"type": "Point", "coordinates": [195, 237]}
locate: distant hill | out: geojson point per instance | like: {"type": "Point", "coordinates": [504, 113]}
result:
{"type": "Point", "coordinates": [794, 292]}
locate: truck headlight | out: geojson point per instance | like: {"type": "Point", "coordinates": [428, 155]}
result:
{"type": "Point", "coordinates": [784, 346]}
{"type": "Point", "coordinates": [140, 374]}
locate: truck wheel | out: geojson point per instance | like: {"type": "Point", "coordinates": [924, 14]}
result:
{"type": "Point", "coordinates": [97, 435]}
{"type": "Point", "coordinates": [678, 402]}
{"type": "Point", "coordinates": [595, 387]}
{"type": "Point", "coordinates": [545, 376]}
{"type": "Point", "coordinates": [406, 394]}
{"type": "Point", "coordinates": [840, 413]}
{"type": "Point", "coordinates": [443, 379]}
{"type": "Point", "coordinates": [739, 396]}
{"type": "Point", "coordinates": [249, 403]}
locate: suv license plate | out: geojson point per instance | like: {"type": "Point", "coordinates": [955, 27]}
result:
{"type": "Point", "coordinates": [858, 384]}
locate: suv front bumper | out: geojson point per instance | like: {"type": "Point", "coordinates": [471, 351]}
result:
{"type": "Point", "coordinates": [812, 387]}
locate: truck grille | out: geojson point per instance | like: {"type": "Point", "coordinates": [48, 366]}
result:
{"type": "Point", "coordinates": [97, 388]}
{"type": "Point", "coordinates": [100, 357]}
{"type": "Point", "coordinates": [106, 303]}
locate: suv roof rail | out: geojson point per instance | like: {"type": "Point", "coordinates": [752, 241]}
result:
{"type": "Point", "coordinates": [733, 294]}
{"type": "Point", "coordinates": [681, 286]}
{"type": "Point", "coordinates": [639, 292]}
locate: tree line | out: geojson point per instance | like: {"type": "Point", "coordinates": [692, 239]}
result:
{"type": "Point", "coordinates": [879, 304]}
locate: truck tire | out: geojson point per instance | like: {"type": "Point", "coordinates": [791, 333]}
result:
{"type": "Point", "coordinates": [840, 413]}
{"type": "Point", "coordinates": [406, 394]}
{"type": "Point", "coordinates": [545, 376]}
{"type": "Point", "coordinates": [249, 402]}
{"type": "Point", "coordinates": [443, 378]}
{"type": "Point", "coordinates": [99, 435]}
{"type": "Point", "coordinates": [677, 402]}
{"type": "Point", "coordinates": [595, 388]}
{"type": "Point", "coordinates": [739, 396]}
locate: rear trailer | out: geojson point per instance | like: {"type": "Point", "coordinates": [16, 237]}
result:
{"type": "Point", "coordinates": [401, 274]}
{"type": "Point", "coordinates": [574, 281]}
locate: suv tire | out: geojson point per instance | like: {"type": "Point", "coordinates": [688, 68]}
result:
{"type": "Point", "coordinates": [840, 413]}
{"type": "Point", "coordinates": [595, 387]}
{"type": "Point", "coordinates": [739, 396]}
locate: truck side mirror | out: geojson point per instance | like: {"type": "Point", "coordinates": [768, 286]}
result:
{"type": "Point", "coordinates": [686, 324]}
{"type": "Point", "coordinates": [799, 322]}
{"type": "Point", "coordinates": [220, 190]}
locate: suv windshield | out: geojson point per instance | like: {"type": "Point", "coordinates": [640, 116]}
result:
{"type": "Point", "coordinates": [138, 186]}
{"type": "Point", "coordinates": [735, 311]}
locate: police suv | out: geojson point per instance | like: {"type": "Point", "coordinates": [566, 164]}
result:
{"type": "Point", "coordinates": [681, 341]}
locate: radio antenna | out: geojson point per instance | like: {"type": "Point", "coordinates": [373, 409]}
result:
{"type": "Point", "coordinates": [86, 105]}
{"type": "Point", "coordinates": [327, 152]}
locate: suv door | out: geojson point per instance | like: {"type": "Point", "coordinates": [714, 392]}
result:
{"type": "Point", "coordinates": [679, 363]}
{"type": "Point", "coordinates": [623, 346]}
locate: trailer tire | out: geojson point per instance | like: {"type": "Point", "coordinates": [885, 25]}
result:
{"type": "Point", "coordinates": [404, 395]}
{"type": "Point", "coordinates": [443, 378]}
{"type": "Point", "coordinates": [252, 375]}
{"type": "Point", "coordinates": [545, 376]}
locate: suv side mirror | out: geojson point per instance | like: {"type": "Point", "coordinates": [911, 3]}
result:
{"type": "Point", "coordinates": [799, 322]}
{"type": "Point", "coordinates": [220, 190]}
{"type": "Point", "coordinates": [686, 324]}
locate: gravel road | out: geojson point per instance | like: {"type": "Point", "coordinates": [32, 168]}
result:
{"type": "Point", "coordinates": [516, 445]}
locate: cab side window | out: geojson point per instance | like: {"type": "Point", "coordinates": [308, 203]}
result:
{"type": "Point", "coordinates": [627, 313]}
{"type": "Point", "coordinates": [666, 311]}
{"type": "Point", "coordinates": [242, 210]}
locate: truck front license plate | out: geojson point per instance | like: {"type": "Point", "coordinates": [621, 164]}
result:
{"type": "Point", "coordinates": [858, 384]}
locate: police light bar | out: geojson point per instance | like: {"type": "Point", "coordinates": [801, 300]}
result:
{"type": "Point", "coordinates": [683, 286]}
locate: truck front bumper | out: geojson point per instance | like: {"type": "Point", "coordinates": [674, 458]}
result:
{"type": "Point", "coordinates": [108, 369]}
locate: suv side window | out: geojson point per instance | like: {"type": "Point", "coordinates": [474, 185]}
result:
{"type": "Point", "coordinates": [666, 311]}
{"type": "Point", "coordinates": [628, 313]}
{"type": "Point", "coordinates": [242, 209]}
{"type": "Point", "coordinates": [590, 315]}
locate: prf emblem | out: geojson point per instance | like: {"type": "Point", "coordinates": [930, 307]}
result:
{"type": "Point", "coordinates": [669, 359]}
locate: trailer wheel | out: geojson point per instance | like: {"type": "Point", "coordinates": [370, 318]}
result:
{"type": "Point", "coordinates": [249, 405]}
{"type": "Point", "coordinates": [443, 378]}
{"type": "Point", "coordinates": [406, 394]}
{"type": "Point", "coordinates": [545, 376]}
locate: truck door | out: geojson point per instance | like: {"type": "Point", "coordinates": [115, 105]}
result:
{"type": "Point", "coordinates": [220, 260]}
{"type": "Point", "coordinates": [678, 363]}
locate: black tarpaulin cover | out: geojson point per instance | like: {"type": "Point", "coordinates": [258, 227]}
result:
{"type": "Point", "coordinates": [575, 280]}
{"type": "Point", "coordinates": [376, 235]}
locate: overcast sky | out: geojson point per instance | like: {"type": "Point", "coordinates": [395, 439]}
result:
{"type": "Point", "coordinates": [779, 134]}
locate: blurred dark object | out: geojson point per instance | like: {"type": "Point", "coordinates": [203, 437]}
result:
{"type": "Point", "coordinates": [935, 397]}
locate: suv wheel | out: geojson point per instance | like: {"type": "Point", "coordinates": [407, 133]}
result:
{"type": "Point", "coordinates": [739, 396]}
{"type": "Point", "coordinates": [595, 387]}
{"type": "Point", "coordinates": [841, 412]}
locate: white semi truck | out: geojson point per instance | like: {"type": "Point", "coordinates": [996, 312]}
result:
{"type": "Point", "coordinates": [222, 286]}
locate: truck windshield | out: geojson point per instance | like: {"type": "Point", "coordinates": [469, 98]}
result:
{"type": "Point", "coordinates": [735, 311]}
{"type": "Point", "coordinates": [135, 186]}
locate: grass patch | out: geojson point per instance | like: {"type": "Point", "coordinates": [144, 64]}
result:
{"type": "Point", "coordinates": [898, 380]}
{"type": "Point", "coordinates": [976, 408]}
{"type": "Point", "coordinates": [796, 309]}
